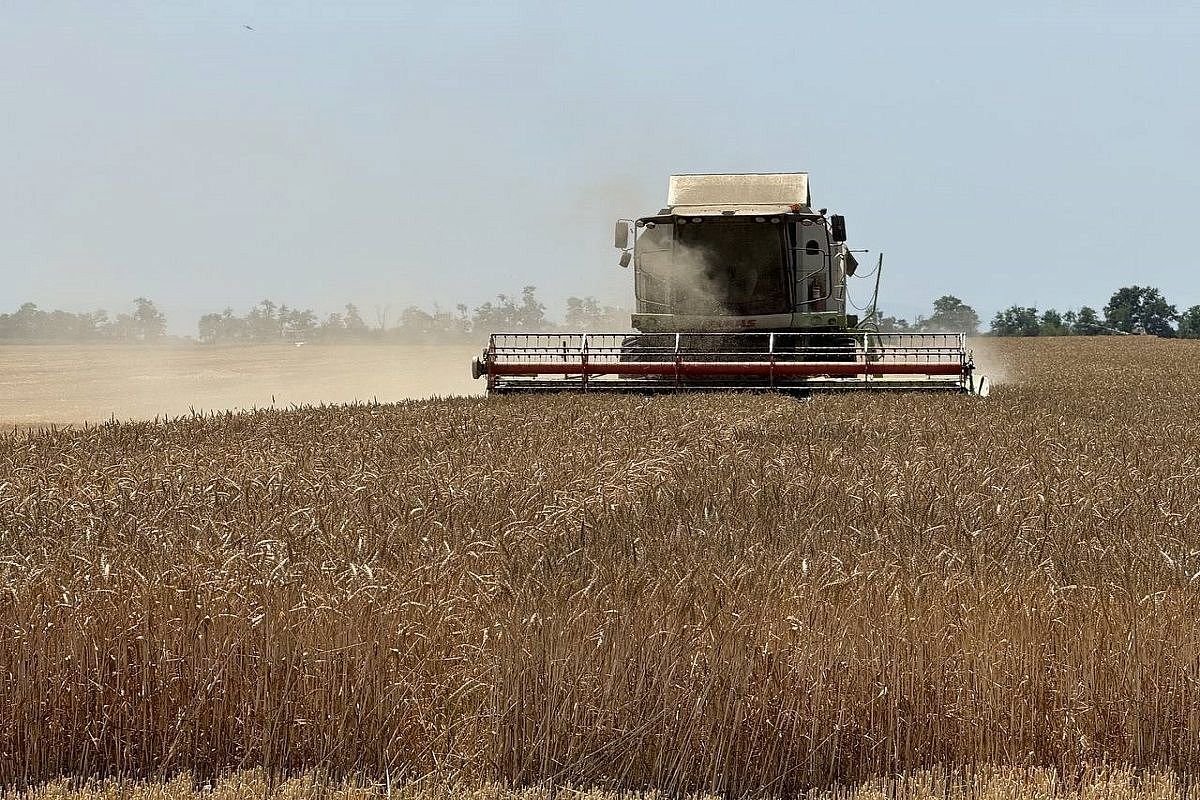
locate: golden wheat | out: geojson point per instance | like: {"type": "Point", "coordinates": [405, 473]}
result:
{"type": "Point", "coordinates": [719, 593]}
{"type": "Point", "coordinates": [1092, 782]}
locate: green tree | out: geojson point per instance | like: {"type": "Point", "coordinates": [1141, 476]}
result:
{"type": "Point", "coordinates": [952, 314]}
{"type": "Point", "coordinates": [438, 325]}
{"type": "Point", "coordinates": [1140, 308]}
{"type": "Point", "coordinates": [532, 312]}
{"type": "Point", "coordinates": [263, 323]}
{"type": "Point", "coordinates": [586, 314]}
{"type": "Point", "coordinates": [1088, 323]}
{"type": "Point", "coordinates": [1189, 323]}
{"type": "Point", "coordinates": [1016, 321]}
{"type": "Point", "coordinates": [209, 327]}
{"type": "Point", "coordinates": [150, 324]}
{"type": "Point", "coordinates": [1052, 324]}
{"type": "Point", "coordinates": [507, 315]}
{"type": "Point", "coordinates": [353, 321]}
{"type": "Point", "coordinates": [28, 322]}
{"type": "Point", "coordinates": [416, 323]}
{"type": "Point", "coordinates": [298, 325]}
{"type": "Point", "coordinates": [891, 324]}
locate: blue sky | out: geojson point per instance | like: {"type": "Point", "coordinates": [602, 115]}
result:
{"type": "Point", "coordinates": [391, 154]}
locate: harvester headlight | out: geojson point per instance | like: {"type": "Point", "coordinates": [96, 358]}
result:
{"type": "Point", "coordinates": [775, 220]}
{"type": "Point", "coordinates": [760, 219]}
{"type": "Point", "coordinates": [696, 220]}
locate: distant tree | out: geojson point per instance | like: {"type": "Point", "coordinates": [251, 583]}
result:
{"type": "Point", "coordinates": [124, 328]}
{"type": "Point", "coordinates": [348, 325]}
{"type": "Point", "coordinates": [332, 326]}
{"type": "Point", "coordinates": [1140, 308]}
{"type": "Point", "coordinates": [462, 320]}
{"type": "Point", "coordinates": [1189, 323]}
{"type": "Point", "coordinates": [586, 314]}
{"type": "Point", "coordinates": [27, 322]}
{"type": "Point", "coordinates": [93, 325]}
{"type": "Point", "coordinates": [1016, 321]}
{"type": "Point", "coordinates": [416, 323]}
{"type": "Point", "coordinates": [952, 314]}
{"type": "Point", "coordinates": [298, 325]}
{"type": "Point", "coordinates": [353, 321]}
{"type": "Point", "coordinates": [532, 313]}
{"type": "Point", "coordinates": [149, 324]}
{"type": "Point", "coordinates": [217, 328]}
{"type": "Point", "coordinates": [891, 324]}
{"type": "Point", "coordinates": [500, 315]}
{"type": "Point", "coordinates": [1088, 323]}
{"type": "Point", "coordinates": [30, 323]}
{"type": "Point", "coordinates": [1052, 324]}
{"type": "Point", "coordinates": [439, 325]}
{"type": "Point", "coordinates": [263, 323]}
{"type": "Point", "coordinates": [507, 314]}
{"type": "Point", "coordinates": [580, 312]}
{"type": "Point", "coordinates": [62, 326]}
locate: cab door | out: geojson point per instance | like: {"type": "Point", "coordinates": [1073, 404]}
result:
{"type": "Point", "coordinates": [812, 266]}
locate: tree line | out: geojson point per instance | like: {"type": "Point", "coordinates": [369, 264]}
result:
{"type": "Point", "coordinates": [269, 321]}
{"type": "Point", "coordinates": [144, 323]}
{"type": "Point", "coordinates": [1130, 310]}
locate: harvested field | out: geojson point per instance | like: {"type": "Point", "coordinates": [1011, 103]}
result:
{"type": "Point", "coordinates": [73, 384]}
{"type": "Point", "coordinates": [725, 594]}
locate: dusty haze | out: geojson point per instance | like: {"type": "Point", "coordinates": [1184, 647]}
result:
{"type": "Point", "coordinates": [65, 384]}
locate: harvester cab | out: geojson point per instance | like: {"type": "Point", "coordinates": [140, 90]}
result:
{"type": "Point", "coordinates": [739, 252]}
{"type": "Point", "coordinates": [739, 284]}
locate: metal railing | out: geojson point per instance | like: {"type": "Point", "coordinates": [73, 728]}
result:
{"type": "Point", "coordinates": [854, 359]}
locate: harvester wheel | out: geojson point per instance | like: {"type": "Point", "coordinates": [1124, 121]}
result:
{"type": "Point", "coordinates": [478, 369]}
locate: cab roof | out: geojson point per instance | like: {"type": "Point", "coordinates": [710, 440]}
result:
{"type": "Point", "coordinates": [739, 194]}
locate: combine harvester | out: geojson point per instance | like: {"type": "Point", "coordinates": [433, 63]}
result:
{"type": "Point", "coordinates": [739, 284]}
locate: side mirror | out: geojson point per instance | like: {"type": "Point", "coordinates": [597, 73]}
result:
{"type": "Point", "coordinates": [621, 236]}
{"type": "Point", "coordinates": [626, 257]}
{"type": "Point", "coordinates": [837, 227]}
{"type": "Point", "coordinates": [851, 263]}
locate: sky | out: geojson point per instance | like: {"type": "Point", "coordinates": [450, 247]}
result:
{"type": "Point", "coordinates": [210, 155]}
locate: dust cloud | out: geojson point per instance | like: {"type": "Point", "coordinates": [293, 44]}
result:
{"type": "Point", "coordinates": [694, 277]}
{"type": "Point", "coordinates": [680, 275]}
{"type": "Point", "coordinates": [65, 384]}
{"type": "Point", "coordinates": [990, 362]}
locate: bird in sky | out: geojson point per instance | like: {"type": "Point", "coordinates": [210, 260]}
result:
{"type": "Point", "coordinates": [247, 27]}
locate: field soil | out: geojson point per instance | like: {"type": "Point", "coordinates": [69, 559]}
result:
{"type": "Point", "coordinates": [72, 384]}
{"type": "Point", "coordinates": [870, 596]}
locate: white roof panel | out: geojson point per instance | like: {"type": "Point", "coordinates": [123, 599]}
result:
{"type": "Point", "coordinates": [763, 188]}
{"type": "Point", "coordinates": [766, 209]}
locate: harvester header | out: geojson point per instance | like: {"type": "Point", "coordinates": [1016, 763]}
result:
{"type": "Point", "coordinates": [739, 284]}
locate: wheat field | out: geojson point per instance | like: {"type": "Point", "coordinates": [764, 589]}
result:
{"type": "Point", "coordinates": [851, 596]}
